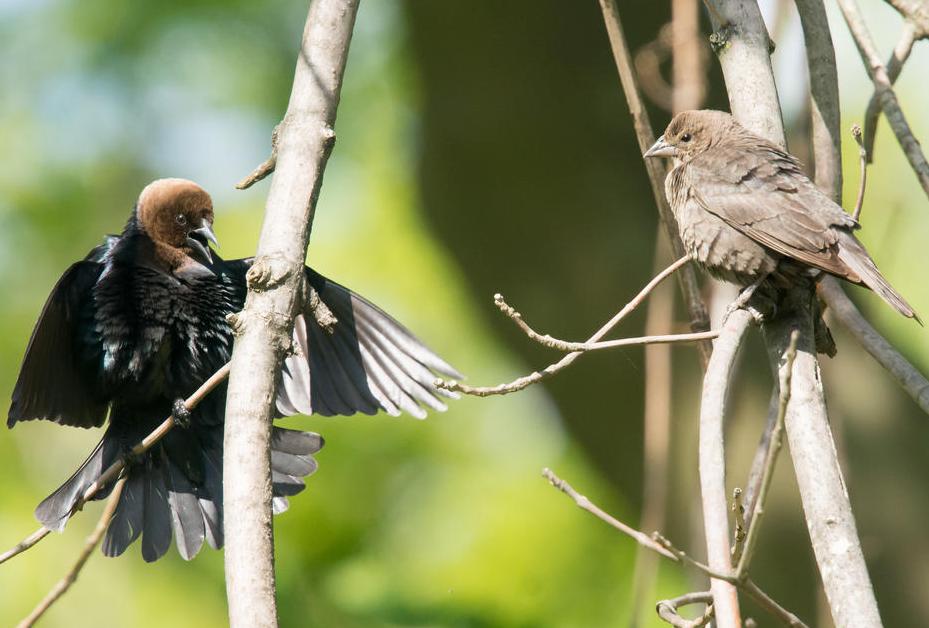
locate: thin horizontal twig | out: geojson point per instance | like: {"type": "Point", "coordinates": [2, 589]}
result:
{"type": "Point", "coordinates": [551, 369]}
{"type": "Point", "coordinates": [565, 345]}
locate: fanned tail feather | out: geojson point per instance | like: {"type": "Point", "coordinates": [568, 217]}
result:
{"type": "Point", "coordinates": [160, 500]}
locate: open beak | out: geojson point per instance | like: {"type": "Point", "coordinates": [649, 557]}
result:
{"type": "Point", "coordinates": [199, 242]}
{"type": "Point", "coordinates": [661, 149]}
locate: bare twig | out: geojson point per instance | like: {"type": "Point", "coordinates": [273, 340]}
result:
{"type": "Point", "coordinates": [862, 173]}
{"type": "Point", "coordinates": [699, 320]}
{"type": "Point", "coordinates": [564, 345]}
{"type": "Point", "coordinates": [908, 36]}
{"type": "Point", "coordinates": [712, 456]}
{"type": "Point", "coordinates": [657, 543]}
{"type": "Point", "coordinates": [25, 544]}
{"type": "Point", "coordinates": [305, 140]}
{"type": "Point", "coordinates": [92, 541]}
{"type": "Point", "coordinates": [266, 168]}
{"type": "Point", "coordinates": [113, 471]}
{"type": "Point", "coordinates": [667, 609]}
{"type": "Point", "coordinates": [751, 537]}
{"type": "Point", "coordinates": [537, 376]}
{"type": "Point", "coordinates": [883, 88]}
{"type": "Point", "coordinates": [753, 484]}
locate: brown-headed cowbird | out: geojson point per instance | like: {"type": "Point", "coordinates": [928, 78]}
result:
{"type": "Point", "coordinates": [140, 323]}
{"type": "Point", "coordinates": [749, 214]}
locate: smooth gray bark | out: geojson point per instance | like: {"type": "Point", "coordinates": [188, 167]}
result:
{"type": "Point", "coordinates": [305, 139]}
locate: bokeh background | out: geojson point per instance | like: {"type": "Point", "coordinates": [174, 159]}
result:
{"type": "Point", "coordinates": [482, 147]}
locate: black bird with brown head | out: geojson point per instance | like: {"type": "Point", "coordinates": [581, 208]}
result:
{"type": "Point", "coordinates": [177, 215]}
{"type": "Point", "coordinates": [141, 322]}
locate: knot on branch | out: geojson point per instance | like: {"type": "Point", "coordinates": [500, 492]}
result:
{"type": "Point", "coordinates": [267, 272]}
{"type": "Point", "coordinates": [321, 312]}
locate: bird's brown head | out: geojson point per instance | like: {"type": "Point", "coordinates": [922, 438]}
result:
{"type": "Point", "coordinates": [693, 132]}
{"type": "Point", "coordinates": [178, 213]}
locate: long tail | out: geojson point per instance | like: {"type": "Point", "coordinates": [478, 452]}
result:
{"type": "Point", "coordinates": [856, 258]}
{"type": "Point", "coordinates": [176, 489]}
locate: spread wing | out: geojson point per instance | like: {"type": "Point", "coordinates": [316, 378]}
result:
{"type": "Point", "coordinates": [53, 384]}
{"type": "Point", "coordinates": [354, 357]}
{"type": "Point", "coordinates": [762, 191]}
{"type": "Point", "coordinates": [351, 356]}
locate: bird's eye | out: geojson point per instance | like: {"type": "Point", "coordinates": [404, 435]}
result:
{"type": "Point", "coordinates": [181, 219]}
{"type": "Point", "coordinates": [686, 137]}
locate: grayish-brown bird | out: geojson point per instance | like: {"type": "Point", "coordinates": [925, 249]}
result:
{"type": "Point", "coordinates": [748, 213]}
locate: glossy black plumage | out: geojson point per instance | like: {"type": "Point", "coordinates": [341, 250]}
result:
{"type": "Point", "coordinates": [141, 322]}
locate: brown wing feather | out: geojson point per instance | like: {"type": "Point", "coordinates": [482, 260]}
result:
{"type": "Point", "coordinates": [762, 192]}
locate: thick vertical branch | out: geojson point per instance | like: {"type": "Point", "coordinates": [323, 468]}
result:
{"type": "Point", "coordinates": [719, 374]}
{"type": "Point", "coordinates": [305, 140]}
{"type": "Point", "coordinates": [826, 504]}
{"type": "Point", "coordinates": [822, 490]}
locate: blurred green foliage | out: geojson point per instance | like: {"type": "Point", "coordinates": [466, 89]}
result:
{"type": "Point", "coordinates": [482, 147]}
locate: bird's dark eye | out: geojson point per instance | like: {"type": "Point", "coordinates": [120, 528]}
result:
{"type": "Point", "coordinates": [686, 137]}
{"type": "Point", "coordinates": [181, 219]}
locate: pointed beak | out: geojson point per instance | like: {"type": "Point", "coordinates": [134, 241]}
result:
{"type": "Point", "coordinates": [661, 149]}
{"type": "Point", "coordinates": [198, 240]}
{"type": "Point", "coordinates": [207, 232]}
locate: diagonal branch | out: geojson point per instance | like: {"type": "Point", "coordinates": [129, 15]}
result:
{"type": "Point", "coordinates": [566, 361]}
{"type": "Point", "coordinates": [660, 545]}
{"type": "Point", "coordinates": [699, 319]}
{"type": "Point", "coordinates": [883, 88]}
{"type": "Point", "coordinates": [92, 541]}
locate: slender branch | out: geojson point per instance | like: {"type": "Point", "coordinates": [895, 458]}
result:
{"type": "Point", "coordinates": [908, 376]}
{"type": "Point", "coordinates": [753, 485]}
{"type": "Point", "coordinates": [716, 383]}
{"type": "Point", "coordinates": [537, 376]}
{"type": "Point", "coordinates": [751, 537]}
{"type": "Point", "coordinates": [92, 541]}
{"type": "Point", "coordinates": [113, 471]}
{"type": "Point", "coordinates": [667, 609]}
{"type": "Point", "coordinates": [883, 87]}
{"type": "Point", "coordinates": [824, 114]}
{"type": "Point", "coordinates": [25, 544]}
{"type": "Point", "coordinates": [699, 319]}
{"type": "Point", "coordinates": [564, 345]}
{"type": "Point", "coordinates": [862, 172]}
{"type": "Point", "coordinates": [915, 15]}
{"type": "Point", "coordinates": [265, 168]}
{"type": "Point", "coordinates": [659, 544]}
{"type": "Point", "coordinates": [305, 140]}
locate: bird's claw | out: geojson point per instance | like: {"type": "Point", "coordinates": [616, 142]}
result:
{"type": "Point", "coordinates": [181, 414]}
